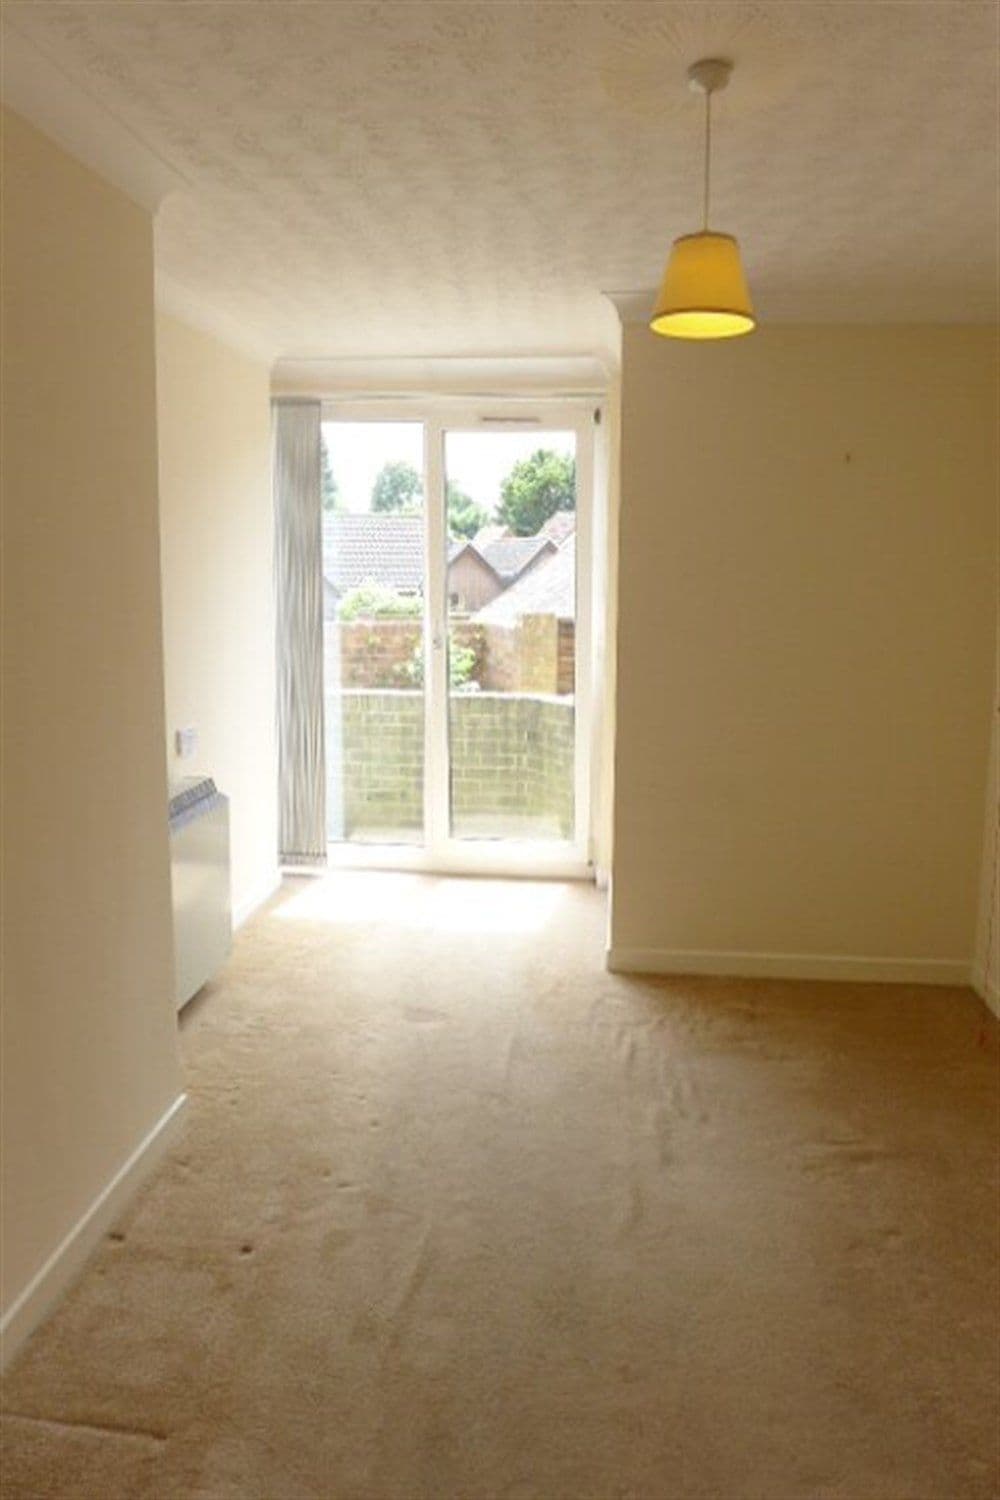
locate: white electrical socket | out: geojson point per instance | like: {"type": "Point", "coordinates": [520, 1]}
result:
{"type": "Point", "coordinates": [186, 741]}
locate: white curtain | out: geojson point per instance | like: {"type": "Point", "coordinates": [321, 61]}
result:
{"type": "Point", "coordinates": [298, 562]}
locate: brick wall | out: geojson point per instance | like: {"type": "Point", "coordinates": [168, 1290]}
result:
{"type": "Point", "coordinates": [374, 653]}
{"type": "Point", "coordinates": [566, 657]}
{"type": "Point", "coordinates": [534, 656]}
{"type": "Point", "coordinates": [499, 659]}
{"type": "Point", "coordinates": [382, 759]}
{"type": "Point", "coordinates": [512, 759]}
{"type": "Point", "coordinates": [380, 653]}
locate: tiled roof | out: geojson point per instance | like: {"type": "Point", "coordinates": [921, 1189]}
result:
{"type": "Point", "coordinates": [548, 589]}
{"type": "Point", "coordinates": [387, 549]}
{"type": "Point", "coordinates": [508, 556]}
{"type": "Point", "coordinates": [457, 544]}
{"type": "Point", "coordinates": [560, 526]}
{"type": "Point", "coordinates": [489, 533]}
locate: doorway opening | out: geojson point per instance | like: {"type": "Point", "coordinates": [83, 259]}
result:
{"type": "Point", "coordinates": [456, 560]}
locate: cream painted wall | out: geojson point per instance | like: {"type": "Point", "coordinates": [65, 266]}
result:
{"type": "Point", "coordinates": [218, 592]}
{"type": "Point", "coordinates": [90, 1061]}
{"type": "Point", "coordinates": [808, 584]}
{"type": "Point", "coordinates": [607, 500]}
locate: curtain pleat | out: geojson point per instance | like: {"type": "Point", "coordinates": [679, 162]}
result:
{"type": "Point", "coordinates": [298, 561]}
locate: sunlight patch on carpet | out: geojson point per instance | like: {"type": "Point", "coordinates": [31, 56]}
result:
{"type": "Point", "coordinates": [347, 898]}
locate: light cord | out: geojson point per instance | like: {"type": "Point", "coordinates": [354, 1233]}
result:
{"type": "Point", "coordinates": [708, 155]}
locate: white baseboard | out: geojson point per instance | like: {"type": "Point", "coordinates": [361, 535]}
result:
{"type": "Point", "coordinates": [986, 991]}
{"type": "Point", "coordinates": [48, 1284]}
{"type": "Point", "coordinates": [788, 966]}
{"type": "Point", "coordinates": [258, 897]}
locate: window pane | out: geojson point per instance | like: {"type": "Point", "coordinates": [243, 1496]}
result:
{"type": "Point", "coordinates": [373, 601]}
{"type": "Point", "coordinates": [511, 508]}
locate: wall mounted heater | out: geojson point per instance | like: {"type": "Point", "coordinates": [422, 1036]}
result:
{"type": "Point", "coordinates": [199, 877]}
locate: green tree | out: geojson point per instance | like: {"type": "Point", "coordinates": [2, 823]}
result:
{"type": "Point", "coordinates": [329, 488]}
{"type": "Point", "coordinates": [535, 489]}
{"type": "Point", "coordinates": [465, 517]}
{"type": "Point", "coordinates": [397, 488]}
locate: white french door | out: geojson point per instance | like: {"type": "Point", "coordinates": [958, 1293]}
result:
{"type": "Point", "coordinates": [458, 705]}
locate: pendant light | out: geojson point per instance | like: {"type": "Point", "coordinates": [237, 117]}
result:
{"type": "Point", "coordinates": [704, 292]}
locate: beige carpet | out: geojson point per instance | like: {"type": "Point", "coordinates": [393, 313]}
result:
{"type": "Point", "coordinates": [458, 1214]}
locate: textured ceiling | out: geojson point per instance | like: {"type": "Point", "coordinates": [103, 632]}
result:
{"type": "Point", "coordinates": [393, 179]}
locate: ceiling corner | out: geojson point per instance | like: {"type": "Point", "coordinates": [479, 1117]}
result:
{"type": "Point", "coordinates": [55, 103]}
{"type": "Point", "coordinates": [633, 307]}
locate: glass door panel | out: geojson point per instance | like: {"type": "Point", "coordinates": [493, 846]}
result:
{"type": "Point", "coordinates": [374, 593]}
{"type": "Point", "coordinates": [511, 608]}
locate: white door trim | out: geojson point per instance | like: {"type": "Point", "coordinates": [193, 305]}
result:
{"type": "Point", "coordinates": [440, 852]}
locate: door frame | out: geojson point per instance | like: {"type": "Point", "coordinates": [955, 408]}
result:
{"type": "Point", "coordinates": [440, 852]}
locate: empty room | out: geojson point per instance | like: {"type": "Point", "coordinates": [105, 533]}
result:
{"type": "Point", "coordinates": [500, 801]}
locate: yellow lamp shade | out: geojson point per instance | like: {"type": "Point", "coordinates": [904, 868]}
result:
{"type": "Point", "coordinates": [704, 292]}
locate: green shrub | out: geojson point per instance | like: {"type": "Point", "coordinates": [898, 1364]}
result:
{"type": "Point", "coordinates": [377, 601]}
{"type": "Point", "coordinates": [461, 665]}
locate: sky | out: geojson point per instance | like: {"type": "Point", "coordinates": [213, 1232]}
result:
{"type": "Point", "coordinates": [477, 461]}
